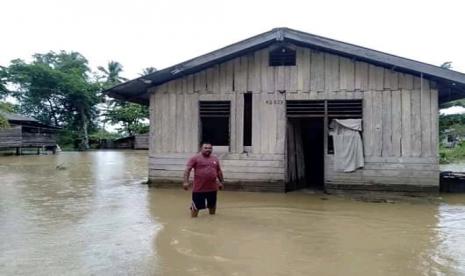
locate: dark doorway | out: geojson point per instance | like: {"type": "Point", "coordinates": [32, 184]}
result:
{"type": "Point", "coordinates": [305, 153]}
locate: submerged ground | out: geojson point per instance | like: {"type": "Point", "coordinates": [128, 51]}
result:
{"type": "Point", "coordinates": [88, 213]}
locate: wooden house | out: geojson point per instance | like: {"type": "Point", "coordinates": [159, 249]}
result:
{"type": "Point", "coordinates": [266, 104]}
{"type": "Point", "coordinates": [25, 132]}
{"type": "Point", "coordinates": [138, 142]}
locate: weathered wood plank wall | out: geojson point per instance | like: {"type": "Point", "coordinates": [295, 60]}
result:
{"type": "Point", "coordinates": [399, 116]}
{"type": "Point", "coordinates": [141, 141]}
{"type": "Point", "coordinates": [10, 137]}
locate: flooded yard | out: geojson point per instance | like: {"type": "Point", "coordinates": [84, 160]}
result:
{"type": "Point", "coordinates": [88, 213]}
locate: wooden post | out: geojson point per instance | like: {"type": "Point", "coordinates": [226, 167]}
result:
{"type": "Point", "coordinates": [38, 150]}
{"type": "Point", "coordinates": [18, 151]}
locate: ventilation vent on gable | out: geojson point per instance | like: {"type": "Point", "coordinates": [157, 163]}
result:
{"type": "Point", "coordinates": [282, 56]}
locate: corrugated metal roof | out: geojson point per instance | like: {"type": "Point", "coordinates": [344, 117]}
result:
{"type": "Point", "coordinates": [21, 119]}
{"type": "Point", "coordinates": [451, 83]}
{"type": "Point", "coordinates": [17, 117]}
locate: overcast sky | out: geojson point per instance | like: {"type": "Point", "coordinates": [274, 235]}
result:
{"type": "Point", "coordinates": [143, 33]}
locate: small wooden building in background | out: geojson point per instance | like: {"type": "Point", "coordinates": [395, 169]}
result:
{"type": "Point", "coordinates": [138, 142]}
{"type": "Point", "coordinates": [266, 104]}
{"type": "Point", "coordinates": [25, 132]}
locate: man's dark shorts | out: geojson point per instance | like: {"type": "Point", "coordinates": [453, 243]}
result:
{"type": "Point", "coordinates": [199, 199]}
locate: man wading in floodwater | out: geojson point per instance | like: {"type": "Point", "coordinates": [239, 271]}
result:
{"type": "Point", "coordinates": [206, 170]}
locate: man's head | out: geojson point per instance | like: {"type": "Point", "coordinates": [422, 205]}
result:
{"type": "Point", "coordinates": [206, 149]}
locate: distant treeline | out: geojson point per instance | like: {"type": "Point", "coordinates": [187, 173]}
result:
{"type": "Point", "coordinates": [60, 89]}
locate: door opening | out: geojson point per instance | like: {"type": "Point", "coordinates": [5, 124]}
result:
{"type": "Point", "coordinates": [305, 153]}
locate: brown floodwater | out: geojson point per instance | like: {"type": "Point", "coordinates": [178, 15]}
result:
{"type": "Point", "coordinates": [89, 214]}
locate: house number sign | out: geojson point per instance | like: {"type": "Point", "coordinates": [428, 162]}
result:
{"type": "Point", "coordinates": [274, 102]}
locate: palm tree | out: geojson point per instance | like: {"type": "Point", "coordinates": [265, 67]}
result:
{"type": "Point", "coordinates": [148, 70]}
{"type": "Point", "coordinates": [112, 73]}
{"type": "Point", "coordinates": [446, 65]}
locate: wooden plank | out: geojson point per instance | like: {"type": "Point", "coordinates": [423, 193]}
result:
{"type": "Point", "coordinates": [171, 139]}
{"type": "Point", "coordinates": [291, 78]}
{"type": "Point", "coordinates": [240, 74]}
{"type": "Point", "coordinates": [157, 123]}
{"type": "Point", "coordinates": [228, 176]}
{"type": "Point", "coordinates": [267, 72]}
{"type": "Point", "coordinates": [434, 123]}
{"type": "Point", "coordinates": [377, 123]}
{"type": "Point", "coordinates": [179, 117]}
{"type": "Point", "coordinates": [368, 123]}
{"type": "Point", "coordinates": [405, 81]}
{"type": "Point", "coordinates": [303, 68]}
{"type": "Point", "coordinates": [417, 83]}
{"type": "Point", "coordinates": [361, 76]}
{"type": "Point", "coordinates": [229, 82]}
{"type": "Point", "coordinates": [331, 72]}
{"type": "Point", "coordinates": [227, 155]}
{"type": "Point", "coordinates": [396, 122]}
{"type": "Point", "coordinates": [317, 71]}
{"type": "Point", "coordinates": [232, 124]}
{"type": "Point", "coordinates": [391, 79]}
{"type": "Point", "coordinates": [200, 82]}
{"type": "Point", "coordinates": [425, 119]}
{"type": "Point", "coordinates": [190, 84]}
{"type": "Point", "coordinates": [165, 128]}
{"type": "Point", "coordinates": [191, 118]}
{"type": "Point", "coordinates": [400, 173]}
{"type": "Point", "coordinates": [253, 74]}
{"type": "Point", "coordinates": [266, 122]}
{"type": "Point", "coordinates": [213, 79]}
{"type": "Point", "coordinates": [239, 138]}
{"type": "Point", "coordinates": [387, 124]}
{"type": "Point", "coordinates": [376, 77]}
{"type": "Point", "coordinates": [280, 123]}
{"type": "Point", "coordinates": [271, 132]}
{"type": "Point", "coordinates": [225, 168]}
{"type": "Point", "coordinates": [401, 160]}
{"type": "Point", "coordinates": [279, 78]}
{"type": "Point", "coordinates": [152, 124]}
{"type": "Point", "coordinates": [290, 150]}
{"type": "Point", "coordinates": [256, 123]}
{"type": "Point", "coordinates": [347, 77]}
{"type": "Point", "coordinates": [225, 87]}
{"type": "Point", "coordinates": [415, 101]}
{"type": "Point", "coordinates": [227, 162]}
{"type": "Point", "coordinates": [406, 141]}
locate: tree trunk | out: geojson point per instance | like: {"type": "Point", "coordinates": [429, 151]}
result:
{"type": "Point", "coordinates": [84, 135]}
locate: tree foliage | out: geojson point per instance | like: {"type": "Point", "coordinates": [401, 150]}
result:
{"type": "Point", "coordinates": [132, 117]}
{"type": "Point", "coordinates": [446, 65]}
{"type": "Point", "coordinates": [56, 89]}
{"type": "Point", "coordinates": [111, 74]}
{"type": "Point", "coordinates": [148, 70]}
{"type": "Point", "coordinates": [3, 81]}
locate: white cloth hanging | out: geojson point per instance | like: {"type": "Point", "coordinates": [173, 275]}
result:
{"type": "Point", "coordinates": [348, 147]}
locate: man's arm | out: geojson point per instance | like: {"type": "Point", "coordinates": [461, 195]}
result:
{"type": "Point", "coordinates": [187, 173]}
{"type": "Point", "coordinates": [220, 177]}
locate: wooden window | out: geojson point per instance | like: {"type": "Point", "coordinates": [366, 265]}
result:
{"type": "Point", "coordinates": [214, 121]}
{"type": "Point", "coordinates": [342, 109]}
{"type": "Point", "coordinates": [282, 56]}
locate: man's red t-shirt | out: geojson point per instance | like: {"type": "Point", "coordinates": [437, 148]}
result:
{"type": "Point", "coordinates": [205, 172]}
